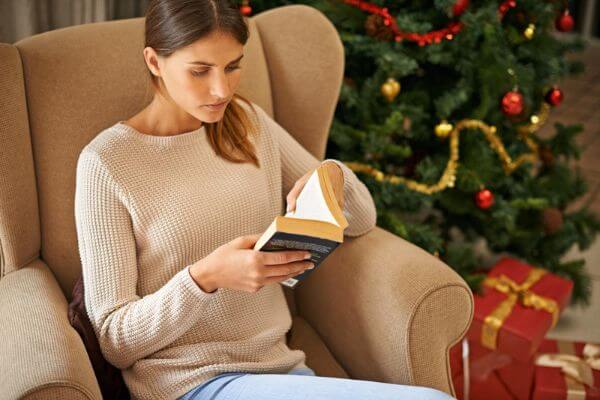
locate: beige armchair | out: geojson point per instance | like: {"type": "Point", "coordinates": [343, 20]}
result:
{"type": "Point", "coordinates": [379, 308]}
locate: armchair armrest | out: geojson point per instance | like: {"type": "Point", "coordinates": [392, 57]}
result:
{"type": "Point", "coordinates": [42, 356]}
{"type": "Point", "coordinates": [388, 310]}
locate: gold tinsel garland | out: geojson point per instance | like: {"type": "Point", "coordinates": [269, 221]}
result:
{"type": "Point", "coordinates": [448, 177]}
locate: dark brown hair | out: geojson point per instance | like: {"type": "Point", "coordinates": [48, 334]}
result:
{"type": "Point", "coordinates": [173, 24]}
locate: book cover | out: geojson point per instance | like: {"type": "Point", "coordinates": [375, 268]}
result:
{"type": "Point", "coordinates": [317, 224]}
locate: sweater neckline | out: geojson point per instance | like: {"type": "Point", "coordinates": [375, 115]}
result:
{"type": "Point", "coordinates": [181, 138]}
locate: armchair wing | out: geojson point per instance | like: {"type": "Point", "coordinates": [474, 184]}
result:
{"type": "Point", "coordinates": [42, 356]}
{"type": "Point", "coordinates": [388, 310]}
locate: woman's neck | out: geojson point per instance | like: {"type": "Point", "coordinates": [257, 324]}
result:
{"type": "Point", "coordinates": [163, 118]}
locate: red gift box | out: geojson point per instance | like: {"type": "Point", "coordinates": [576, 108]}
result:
{"type": "Point", "coordinates": [551, 383]}
{"type": "Point", "coordinates": [518, 306]}
{"type": "Point", "coordinates": [491, 375]}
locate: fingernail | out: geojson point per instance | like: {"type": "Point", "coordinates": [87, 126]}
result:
{"type": "Point", "coordinates": [311, 266]}
{"type": "Point", "coordinates": [307, 256]}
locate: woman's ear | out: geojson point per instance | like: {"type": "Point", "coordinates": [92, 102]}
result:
{"type": "Point", "coordinates": [151, 59]}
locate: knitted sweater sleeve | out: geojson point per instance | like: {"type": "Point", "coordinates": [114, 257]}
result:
{"type": "Point", "coordinates": [359, 207]}
{"type": "Point", "coordinates": [128, 327]}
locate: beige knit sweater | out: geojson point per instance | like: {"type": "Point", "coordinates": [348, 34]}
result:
{"type": "Point", "coordinates": [146, 208]}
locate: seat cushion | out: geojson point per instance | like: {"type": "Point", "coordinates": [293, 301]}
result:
{"type": "Point", "coordinates": [109, 377]}
{"type": "Point", "coordinates": [318, 357]}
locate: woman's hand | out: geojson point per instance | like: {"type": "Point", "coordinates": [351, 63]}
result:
{"type": "Point", "coordinates": [336, 175]}
{"type": "Point", "coordinates": [237, 265]}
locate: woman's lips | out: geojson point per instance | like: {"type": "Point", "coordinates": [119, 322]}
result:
{"type": "Point", "coordinates": [216, 108]}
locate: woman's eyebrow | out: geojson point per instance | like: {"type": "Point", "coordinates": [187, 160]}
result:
{"type": "Point", "coordinates": [212, 65]}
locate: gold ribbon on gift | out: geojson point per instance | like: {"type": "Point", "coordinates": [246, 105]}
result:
{"type": "Point", "coordinates": [578, 371]}
{"type": "Point", "coordinates": [515, 292]}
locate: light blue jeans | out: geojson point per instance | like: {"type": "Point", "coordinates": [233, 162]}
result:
{"type": "Point", "coordinates": [303, 384]}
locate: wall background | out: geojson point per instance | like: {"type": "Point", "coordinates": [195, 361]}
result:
{"type": "Point", "coordinates": [22, 18]}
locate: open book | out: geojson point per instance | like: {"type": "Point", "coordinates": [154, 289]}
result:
{"type": "Point", "coordinates": [317, 224]}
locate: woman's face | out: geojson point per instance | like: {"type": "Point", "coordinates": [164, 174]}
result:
{"type": "Point", "coordinates": [203, 73]}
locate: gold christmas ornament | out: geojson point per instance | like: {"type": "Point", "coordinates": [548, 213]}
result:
{"type": "Point", "coordinates": [529, 31]}
{"type": "Point", "coordinates": [443, 129]}
{"type": "Point", "coordinates": [390, 89]}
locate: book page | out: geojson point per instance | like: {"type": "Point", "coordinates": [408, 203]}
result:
{"type": "Point", "coordinates": [311, 203]}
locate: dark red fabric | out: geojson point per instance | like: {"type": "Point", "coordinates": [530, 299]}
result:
{"type": "Point", "coordinates": [109, 377]}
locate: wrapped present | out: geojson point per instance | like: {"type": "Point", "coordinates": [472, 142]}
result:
{"type": "Point", "coordinates": [520, 303]}
{"type": "Point", "coordinates": [482, 374]}
{"type": "Point", "coordinates": [566, 371]}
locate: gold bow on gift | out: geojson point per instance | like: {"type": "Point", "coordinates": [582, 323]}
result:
{"type": "Point", "coordinates": [515, 293]}
{"type": "Point", "coordinates": [577, 370]}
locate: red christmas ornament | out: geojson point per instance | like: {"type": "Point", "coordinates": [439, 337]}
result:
{"type": "Point", "coordinates": [512, 103]}
{"type": "Point", "coordinates": [459, 7]}
{"type": "Point", "coordinates": [246, 10]}
{"type": "Point", "coordinates": [505, 6]}
{"type": "Point", "coordinates": [484, 199]}
{"type": "Point", "coordinates": [554, 96]}
{"type": "Point", "coordinates": [564, 22]}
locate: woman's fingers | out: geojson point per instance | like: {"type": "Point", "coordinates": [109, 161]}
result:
{"type": "Point", "coordinates": [295, 191]}
{"type": "Point", "coordinates": [282, 257]}
{"type": "Point", "coordinates": [285, 273]}
{"type": "Point", "coordinates": [287, 269]}
{"type": "Point", "coordinates": [291, 197]}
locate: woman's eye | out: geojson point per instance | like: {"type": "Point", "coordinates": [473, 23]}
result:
{"type": "Point", "coordinates": [200, 73]}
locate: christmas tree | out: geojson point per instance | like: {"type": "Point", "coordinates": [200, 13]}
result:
{"type": "Point", "coordinates": [438, 115]}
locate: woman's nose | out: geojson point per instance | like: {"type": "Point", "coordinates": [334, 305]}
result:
{"type": "Point", "coordinates": [219, 86]}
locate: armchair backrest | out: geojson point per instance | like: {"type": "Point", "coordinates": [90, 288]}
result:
{"type": "Point", "coordinates": [59, 89]}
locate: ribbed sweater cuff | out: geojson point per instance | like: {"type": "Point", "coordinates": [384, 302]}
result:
{"type": "Point", "coordinates": [192, 288]}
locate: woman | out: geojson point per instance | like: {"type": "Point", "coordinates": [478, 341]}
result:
{"type": "Point", "coordinates": [168, 207]}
